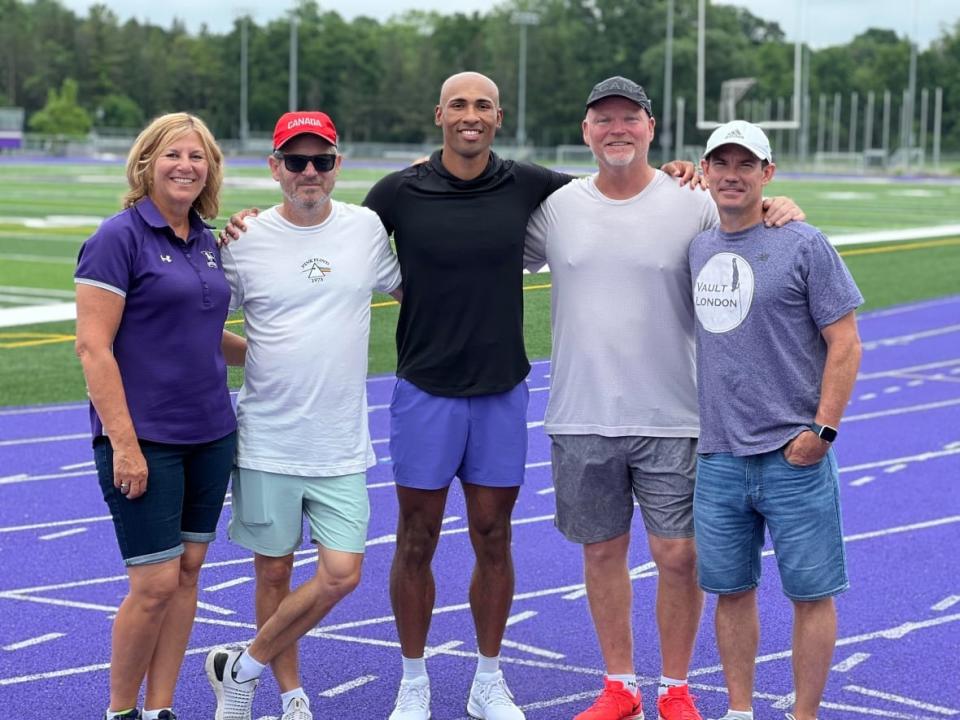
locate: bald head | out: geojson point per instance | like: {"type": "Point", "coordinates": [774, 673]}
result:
{"type": "Point", "coordinates": [472, 81]}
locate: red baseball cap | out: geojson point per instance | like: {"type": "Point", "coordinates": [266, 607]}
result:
{"type": "Point", "coordinates": [292, 124]}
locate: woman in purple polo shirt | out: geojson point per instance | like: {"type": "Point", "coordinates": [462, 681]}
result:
{"type": "Point", "coordinates": [151, 305]}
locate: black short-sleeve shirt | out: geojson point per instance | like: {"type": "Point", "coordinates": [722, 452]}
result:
{"type": "Point", "coordinates": [460, 246]}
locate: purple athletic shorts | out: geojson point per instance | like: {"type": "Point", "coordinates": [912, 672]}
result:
{"type": "Point", "coordinates": [482, 440]}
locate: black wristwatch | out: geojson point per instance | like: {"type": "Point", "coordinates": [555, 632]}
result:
{"type": "Point", "coordinates": [824, 432]}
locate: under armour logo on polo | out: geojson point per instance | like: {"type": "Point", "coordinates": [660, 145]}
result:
{"type": "Point", "coordinates": [166, 258]}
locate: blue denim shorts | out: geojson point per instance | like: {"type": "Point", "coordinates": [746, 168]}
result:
{"type": "Point", "coordinates": [736, 498]}
{"type": "Point", "coordinates": [186, 485]}
{"type": "Point", "coordinates": [482, 440]}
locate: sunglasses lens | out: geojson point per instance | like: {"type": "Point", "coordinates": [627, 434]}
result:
{"type": "Point", "coordinates": [298, 163]}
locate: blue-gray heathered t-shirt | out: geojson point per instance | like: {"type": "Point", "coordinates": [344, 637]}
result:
{"type": "Point", "coordinates": [762, 296]}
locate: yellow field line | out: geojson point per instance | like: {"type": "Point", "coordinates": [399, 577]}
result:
{"type": "Point", "coordinates": [52, 338]}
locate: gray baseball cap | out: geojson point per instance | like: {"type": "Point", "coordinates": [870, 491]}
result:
{"type": "Point", "coordinates": [617, 86]}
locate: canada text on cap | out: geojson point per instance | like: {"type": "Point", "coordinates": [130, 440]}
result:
{"type": "Point", "coordinates": [744, 134]}
{"type": "Point", "coordinates": [617, 86]}
{"type": "Point", "coordinates": [292, 124]}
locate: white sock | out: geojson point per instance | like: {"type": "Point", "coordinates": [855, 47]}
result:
{"type": "Point", "coordinates": [629, 682]}
{"type": "Point", "coordinates": [739, 715]}
{"type": "Point", "coordinates": [667, 683]}
{"type": "Point", "coordinates": [291, 695]}
{"type": "Point", "coordinates": [247, 667]}
{"type": "Point", "coordinates": [487, 665]}
{"type": "Point", "coordinates": [154, 714]}
{"type": "Point", "coordinates": [414, 668]}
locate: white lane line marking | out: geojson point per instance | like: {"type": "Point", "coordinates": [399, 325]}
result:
{"type": "Point", "coordinates": [30, 642]}
{"type": "Point", "coordinates": [890, 697]}
{"type": "Point", "coordinates": [545, 463]}
{"type": "Point", "coordinates": [915, 383]}
{"type": "Point", "coordinates": [63, 533]}
{"type": "Point", "coordinates": [946, 603]}
{"type": "Point", "coordinates": [952, 446]}
{"type": "Point", "coordinates": [56, 523]}
{"type": "Point", "coordinates": [450, 519]}
{"type": "Point", "coordinates": [374, 486]}
{"type": "Point", "coordinates": [347, 686]}
{"type": "Point", "coordinates": [910, 337]}
{"type": "Point", "coordinates": [228, 584]}
{"type": "Point", "coordinates": [533, 650]}
{"type": "Point", "coordinates": [214, 608]}
{"type": "Point", "coordinates": [850, 662]}
{"type": "Point", "coordinates": [546, 491]}
{"type": "Point", "coordinates": [535, 424]}
{"type": "Point", "coordinates": [895, 468]}
{"type": "Point", "coordinates": [862, 481]}
{"type": "Point", "coordinates": [520, 617]}
{"type": "Point", "coordinates": [383, 540]}
{"type": "Point", "coordinates": [902, 411]}
{"type": "Point", "coordinates": [785, 701]}
{"type": "Point", "coordinates": [77, 466]}
{"type": "Point", "coordinates": [868, 396]}
{"type": "Point", "coordinates": [42, 409]}
{"type": "Point", "coordinates": [46, 439]}
{"type": "Point", "coordinates": [440, 649]}
{"type": "Point", "coordinates": [897, 461]}
{"type": "Point", "coordinates": [911, 369]}
{"type": "Point", "coordinates": [13, 479]}
{"type": "Point", "coordinates": [891, 389]}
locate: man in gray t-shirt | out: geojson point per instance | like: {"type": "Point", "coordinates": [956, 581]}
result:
{"type": "Point", "coordinates": [777, 356]}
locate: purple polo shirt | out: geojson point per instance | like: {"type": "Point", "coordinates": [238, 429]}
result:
{"type": "Point", "coordinates": [168, 342]}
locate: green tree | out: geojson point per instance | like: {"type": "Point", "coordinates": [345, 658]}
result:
{"type": "Point", "coordinates": [62, 115]}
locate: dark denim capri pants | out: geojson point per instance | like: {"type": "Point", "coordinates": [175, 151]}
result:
{"type": "Point", "coordinates": [186, 485]}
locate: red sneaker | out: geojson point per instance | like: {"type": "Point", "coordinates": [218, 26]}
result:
{"type": "Point", "coordinates": [614, 703]}
{"type": "Point", "coordinates": [677, 704]}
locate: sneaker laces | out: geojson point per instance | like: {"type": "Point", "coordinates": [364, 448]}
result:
{"type": "Point", "coordinates": [298, 711]}
{"type": "Point", "coordinates": [679, 706]}
{"type": "Point", "coordinates": [413, 696]}
{"type": "Point", "coordinates": [494, 692]}
{"type": "Point", "coordinates": [612, 696]}
{"type": "Point", "coordinates": [238, 697]}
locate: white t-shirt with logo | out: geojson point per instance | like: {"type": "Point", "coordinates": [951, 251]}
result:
{"type": "Point", "coordinates": [305, 293]}
{"type": "Point", "coordinates": [623, 359]}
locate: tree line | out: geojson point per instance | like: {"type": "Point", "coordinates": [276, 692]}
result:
{"type": "Point", "coordinates": [379, 80]}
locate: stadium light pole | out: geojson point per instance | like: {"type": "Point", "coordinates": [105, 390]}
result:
{"type": "Point", "coordinates": [244, 80]}
{"type": "Point", "coordinates": [523, 19]}
{"type": "Point", "coordinates": [666, 137]}
{"type": "Point", "coordinates": [292, 100]}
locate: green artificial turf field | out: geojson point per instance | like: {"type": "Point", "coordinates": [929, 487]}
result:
{"type": "Point", "coordinates": [46, 211]}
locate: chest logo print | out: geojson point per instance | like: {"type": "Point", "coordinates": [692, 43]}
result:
{"type": "Point", "coordinates": [166, 258]}
{"type": "Point", "coordinates": [723, 292]}
{"type": "Point", "coordinates": [211, 258]}
{"type": "Point", "coordinates": [316, 269]}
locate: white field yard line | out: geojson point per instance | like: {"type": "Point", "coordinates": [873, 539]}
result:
{"type": "Point", "coordinates": [10, 318]}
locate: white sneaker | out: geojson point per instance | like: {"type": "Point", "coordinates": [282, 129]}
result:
{"type": "Point", "coordinates": [491, 699]}
{"type": "Point", "coordinates": [234, 699]}
{"type": "Point", "coordinates": [413, 700]}
{"type": "Point", "coordinates": [298, 710]}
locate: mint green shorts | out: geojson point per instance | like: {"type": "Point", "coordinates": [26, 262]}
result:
{"type": "Point", "coordinates": [268, 511]}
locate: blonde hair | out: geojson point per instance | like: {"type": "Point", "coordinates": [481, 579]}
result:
{"type": "Point", "coordinates": [156, 138]}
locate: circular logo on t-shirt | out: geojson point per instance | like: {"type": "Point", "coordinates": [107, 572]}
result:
{"type": "Point", "coordinates": [723, 292]}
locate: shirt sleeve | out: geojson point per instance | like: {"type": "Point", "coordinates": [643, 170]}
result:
{"type": "Point", "coordinates": [381, 198]}
{"type": "Point", "coordinates": [106, 259]}
{"type": "Point", "coordinates": [232, 272]}
{"type": "Point", "coordinates": [385, 262]}
{"type": "Point", "coordinates": [535, 244]}
{"type": "Point", "coordinates": [831, 290]}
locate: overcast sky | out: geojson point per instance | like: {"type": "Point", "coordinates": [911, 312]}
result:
{"type": "Point", "coordinates": [828, 22]}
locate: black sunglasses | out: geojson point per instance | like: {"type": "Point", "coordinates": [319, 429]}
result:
{"type": "Point", "coordinates": [298, 163]}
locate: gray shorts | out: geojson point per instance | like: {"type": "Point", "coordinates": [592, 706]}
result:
{"type": "Point", "coordinates": [596, 479]}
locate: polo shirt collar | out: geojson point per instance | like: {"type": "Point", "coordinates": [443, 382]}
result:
{"type": "Point", "coordinates": [154, 218]}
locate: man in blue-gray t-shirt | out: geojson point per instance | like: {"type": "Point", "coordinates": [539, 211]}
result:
{"type": "Point", "coordinates": [777, 356]}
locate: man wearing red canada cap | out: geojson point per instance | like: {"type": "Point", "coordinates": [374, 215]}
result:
{"type": "Point", "coordinates": [303, 439]}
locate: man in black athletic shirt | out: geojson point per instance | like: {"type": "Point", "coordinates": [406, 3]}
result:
{"type": "Point", "coordinates": [459, 408]}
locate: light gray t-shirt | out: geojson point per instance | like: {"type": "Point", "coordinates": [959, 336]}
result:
{"type": "Point", "coordinates": [623, 331]}
{"type": "Point", "coordinates": [762, 296]}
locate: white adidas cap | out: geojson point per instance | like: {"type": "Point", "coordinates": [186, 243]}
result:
{"type": "Point", "coordinates": [740, 132]}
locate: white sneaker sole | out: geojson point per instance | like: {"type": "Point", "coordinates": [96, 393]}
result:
{"type": "Point", "coordinates": [215, 684]}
